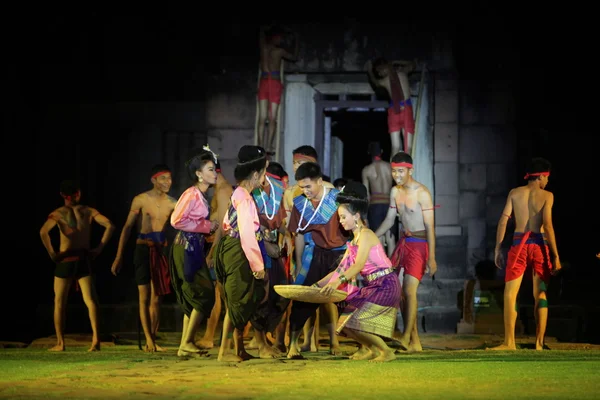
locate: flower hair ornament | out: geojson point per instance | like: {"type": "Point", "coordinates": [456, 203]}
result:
{"type": "Point", "coordinates": [214, 155]}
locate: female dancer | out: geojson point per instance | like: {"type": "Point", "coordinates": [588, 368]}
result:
{"type": "Point", "coordinates": [371, 310]}
{"type": "Point", "coordinates": [190, 276]}
{"type": "Point", "coordinates": [240, 259]}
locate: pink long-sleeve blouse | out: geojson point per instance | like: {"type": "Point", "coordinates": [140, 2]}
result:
{"type": "Point", "coordinates": [247, 225]}
{"type": "Point", "coordinates": [191, 212]}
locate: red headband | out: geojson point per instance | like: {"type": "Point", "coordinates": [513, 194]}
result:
{"type": "Point", "coordinates": [70, 196]}
{"type": "Point", "coordinates": [298, 157]}
{"type": "Point", "coordinates": [528, 175]}
{"type": "Point", "coordinates": [401, 164]}
{"type": "Point", "coordinates": [156, 175]}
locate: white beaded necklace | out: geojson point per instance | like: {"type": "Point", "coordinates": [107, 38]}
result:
{"type": "Point", "coordinates": [272, 196]}
{"type": "Point", "coordinates": [300, 228]}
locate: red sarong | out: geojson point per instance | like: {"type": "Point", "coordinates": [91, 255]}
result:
{"type": "Point", "coordinates": [411, 253]}
{"type": "Point", "coordinates": [528, 250]}
{"type": "Point", "coordinates": [159, 267]}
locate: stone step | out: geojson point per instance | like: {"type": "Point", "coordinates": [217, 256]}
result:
{"type": "Point", "coordinates": [439, 292]}
{"type": "Point", "coordinates": [438, 319]}
{"type": "Point", "coordinates": [451, 241]}
{"type": "Point", "coordinates": [125, 317]}
{"type": "Point", "coordinates": [451, 261]}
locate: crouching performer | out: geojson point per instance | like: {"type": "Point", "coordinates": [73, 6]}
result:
{"type": "Point", "coordinates": [370, 311]}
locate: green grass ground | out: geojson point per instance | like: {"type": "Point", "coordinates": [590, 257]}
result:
{"type": "Point", "coordinates": [125, 372]}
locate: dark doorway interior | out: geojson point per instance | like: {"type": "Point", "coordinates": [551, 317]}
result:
{"type": "Point", "coordinates": [356, 129]}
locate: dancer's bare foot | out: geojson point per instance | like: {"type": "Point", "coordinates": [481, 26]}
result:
{"type": "Point", "coordinates": [95, 346]}
{"type": "Point", "coordinates": [268, 351]}
{"type": "Point", "coordinates": [539, 346]}
{"type": "Point", "coordinates": [190, 348]}
{"type": "Point", "coordinates": [153, 347]}
{"type": "Point", "coordinates": [359, 353]}
{"type": "Point", "coordinates": [294, 354]}
{"type": "Point", "coordinates": [58, 347]}
{"type": "Point", "coordinates": [229, 358]}
{"type": "Point", "coordinates": [195, 354]}
{"type": "Point", "coordinates": [402, 343]}
{"type": "Point", "coordinates": [367, 355]}
{"type": "Point", "coordinates": [150, 347]}
{"type": "Point", "coordinates": [205, 344]}
{"type": "Point", "coordinates": [387, 355]}
{"type": "Point", "coordinates": [502, 347]}
{"type": "Point", "coordinates": [336, 351]}
{"type": "Point", "coordinates": [415, 348]}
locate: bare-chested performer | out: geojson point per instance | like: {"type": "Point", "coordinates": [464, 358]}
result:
{"type": "Point", "coordinates": [74, 259]}
{"type": "Point", "coordinates": [218, 208]}
{"type": "Point", "coordinates": [270, 87]}
{"type": "Point", "coordinates": [150, 212]}
{"type": "Point", "coordinates": [301, 155]}
{"type": "Point", "coordinates": [393, 77]}
{"type": "Point", "coordinates": [415, 251]}
{"type": "Point", "coordinates": [533, 244]}
{"type": "Point", "coordinates": [377, 178]}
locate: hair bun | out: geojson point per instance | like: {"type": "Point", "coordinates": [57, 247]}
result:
{"type": "Point", "coordinates": [355, 189]}
{"type": "Point", "coordinates": [249, 153]}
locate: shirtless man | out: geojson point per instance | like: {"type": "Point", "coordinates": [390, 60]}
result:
{"type": "Point", "coordinates": [270, 87]}
{"type": "Point", "coordinates": [533, 241]}
{"type": "Point", "coordinates": [218, 207]}
{"type": "Point", "coordinates": [377, 178]}
{"type": "Point", "coordinates": [73, 261]}
{"type": "Point", "coordinates": [150, 212]}
{"type": "Point", "coordinates": [301, 155]}
{"type": "Point", "coordinates": [415, 251]}
{"type": "Point", "coordinates": [393, 77]}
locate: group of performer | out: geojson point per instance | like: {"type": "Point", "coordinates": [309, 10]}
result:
{"type": "Point", "coordinates": [259, 232]}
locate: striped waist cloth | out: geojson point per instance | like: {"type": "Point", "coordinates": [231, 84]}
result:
{"type": "Point", "coordinates": [533, 238]}
{"type": "Point", "coordinates": [378, 274]}
{"type": "Point", "coordinates": [413, 239]}
{"type": "Point", "coordinates": [402, 103]}
{"type": "Point", "coordinates": [156, 237]}
{"type": "Point", "coordinates": [75, 255]}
